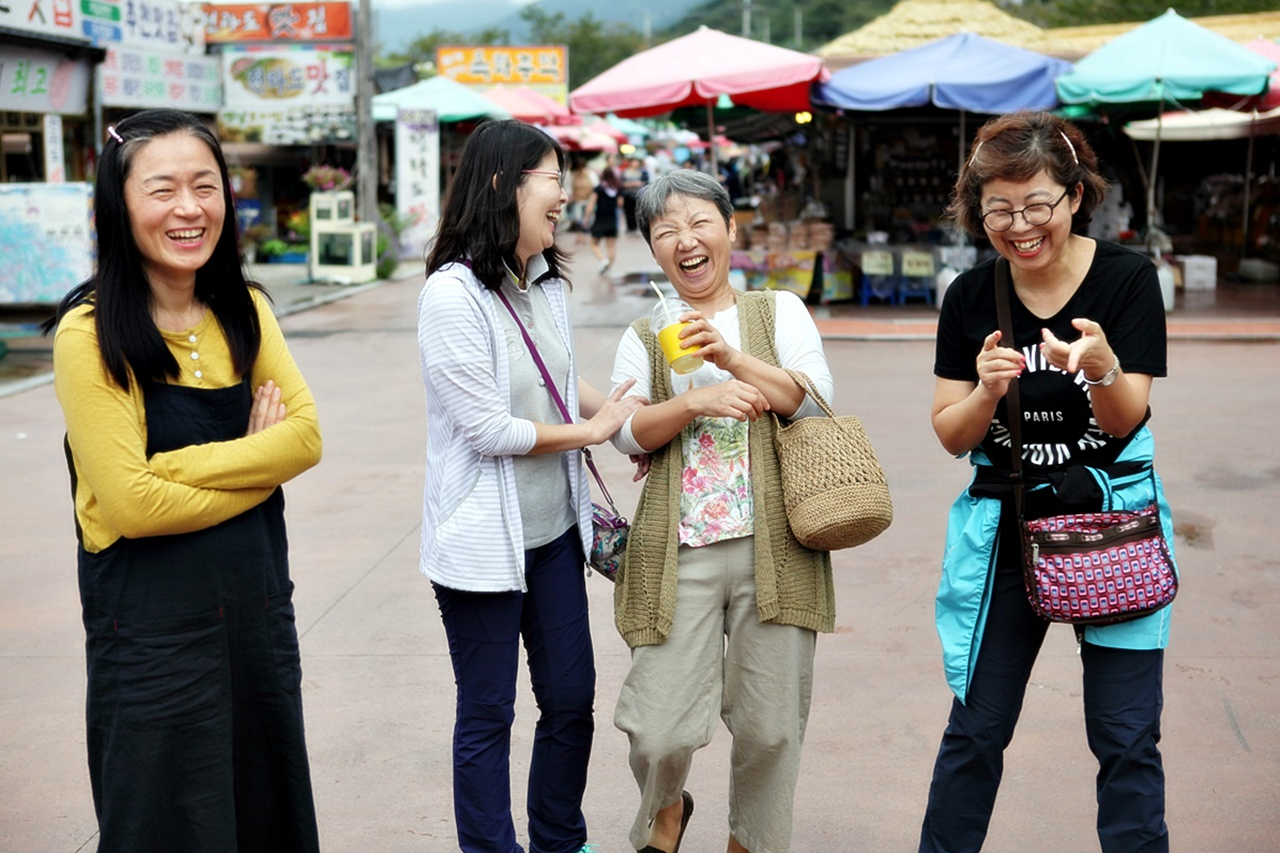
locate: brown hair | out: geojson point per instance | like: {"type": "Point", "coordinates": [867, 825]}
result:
{"type": "Point", "coordinates": [1017, 147]}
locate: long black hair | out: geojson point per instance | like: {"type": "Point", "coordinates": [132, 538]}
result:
{"type": "Point", "coordinates": [480, 218]}
{"type": "Point", "coordinates": [119, 290]}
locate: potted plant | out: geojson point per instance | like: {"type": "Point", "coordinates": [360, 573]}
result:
{"type": "Point", "coordinates": [327, 178]}
{"type": "Point", "coordinates": [251, 238]}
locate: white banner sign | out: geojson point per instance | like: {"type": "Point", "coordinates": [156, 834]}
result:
{"type": "Point", "coordinates": [46, 240]}
{"type": "Point", "coordinates": [59, 18]}
{"type": "Point", "coordinates": [168, 26]}
{"type": "Point", "coordinates": [417, 178]}
{"type": "Point", "coordinates": [288, 95]}
{"type": "Point", "coordinates": [38, 81]}
{"type": "Point", "coordinates": [271, 77]}
{"type": "Point", "coordinates": [139, 78]}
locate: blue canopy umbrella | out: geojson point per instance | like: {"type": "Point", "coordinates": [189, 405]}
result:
{"type": "Point", "coordinates": [964, 72]}
{"type": "Point", "coordinates": [960, 72]}
{"type": "Point", "coordinates": [1166, 59]}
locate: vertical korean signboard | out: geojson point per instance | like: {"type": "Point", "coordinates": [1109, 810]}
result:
{"type": "Point", "coordinates": [417, 178]}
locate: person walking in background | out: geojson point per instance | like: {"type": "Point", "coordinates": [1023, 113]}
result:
{"type": "Point", "coordinates": [1089, 329]}
{"type": "Point", "coordinates": [582, 184]}
{"type": "Point", "coordinates": [507, 512]}
{"type": "Point", "coordinates": [185, 413]}
{"type": "Point", "coordinates": [602, 213]}
{"type": "Point", "coordinates": [635, 176]}
{"type": "Point", "coordinates": [718, 602]}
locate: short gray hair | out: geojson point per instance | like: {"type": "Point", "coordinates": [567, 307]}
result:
{"type": "Point", "coordinates": [653, 199]}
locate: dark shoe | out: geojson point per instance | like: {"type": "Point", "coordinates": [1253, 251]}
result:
{"type": "Point", "coordinates": [684, 818]}
{"type": "Point", "coordinates": [687, 799]}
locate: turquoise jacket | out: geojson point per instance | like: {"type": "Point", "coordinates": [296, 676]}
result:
{"type": "Point", "coordinates": [964, 594]}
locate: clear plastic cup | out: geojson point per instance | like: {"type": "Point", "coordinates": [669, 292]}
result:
{"type": "Point", "coordinates": [666, 324]}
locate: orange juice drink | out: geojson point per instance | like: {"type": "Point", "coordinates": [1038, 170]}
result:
{"type": "Point", "coordinates": [667, 325]}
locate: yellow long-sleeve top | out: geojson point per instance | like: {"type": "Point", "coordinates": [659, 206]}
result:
{"type": "Point", "coordinates": [121, 492]}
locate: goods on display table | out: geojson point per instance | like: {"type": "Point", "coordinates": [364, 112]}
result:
{"type": "Point", "coordinates": [795, 256]}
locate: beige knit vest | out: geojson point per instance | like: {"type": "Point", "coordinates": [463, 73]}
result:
{"type": "Point", "coordinates": [793, 584]}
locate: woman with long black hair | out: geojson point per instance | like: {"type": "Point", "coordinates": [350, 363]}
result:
{"type": "Point", "coordinates": [507, 511]}
{"type": "Point", "coordinates": [185, 413]}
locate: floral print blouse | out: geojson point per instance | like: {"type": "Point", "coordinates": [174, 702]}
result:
{"type": "Point", "coordinates": [715, 490]}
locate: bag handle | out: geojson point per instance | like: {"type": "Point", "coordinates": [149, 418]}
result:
{"type": "Point", "coordinates": [555, 395]}
{"type": "Point", "coordinates": [1013, 400]}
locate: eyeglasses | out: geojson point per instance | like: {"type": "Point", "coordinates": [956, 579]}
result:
{"type": "Point", "coordinates": [557, 176]}
{"type": "Point", "coordinates": [1032, 214]}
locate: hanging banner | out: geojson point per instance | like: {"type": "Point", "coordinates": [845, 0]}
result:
{"type": "Point", "coordinates": [288, 94]}
{"type": "Point", "coordinates": [417, 178]}
{"type": "Point", "coordinates": [139, 78]}
{"type": "Point", "coordinates": [236, 22]}
{"type": "Point", "coordinates": [46, 240]}
{"type": "Point", "coordinates": [38, 81]}
{"type": "Point", "coordinates": [168, 26]}
{"type": "Point", "coordinates": [54, 170]}
{"type": "Point", "coordinates": [60, 18]}
{"type": "Point", "coordinates": [493, 66]}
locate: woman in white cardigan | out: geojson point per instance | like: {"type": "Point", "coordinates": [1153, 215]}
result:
{"type": "Point", "coordinates": [507, 511]}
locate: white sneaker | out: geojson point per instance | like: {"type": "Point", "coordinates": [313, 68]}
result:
{"type": "Point", "coordinates": [604, 266]}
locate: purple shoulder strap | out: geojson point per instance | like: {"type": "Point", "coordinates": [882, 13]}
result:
{"type": "Point", "coordinates": [555, 393]}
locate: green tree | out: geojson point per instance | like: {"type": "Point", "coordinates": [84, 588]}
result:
{"type": "Point", "coordinates": [820, 20]}
{"type": "Point", "coordinates": [594, 46]}
{"type": "Point", "coordinates": [422, 51]}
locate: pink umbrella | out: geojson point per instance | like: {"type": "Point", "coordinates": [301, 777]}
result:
{"type": "Point", "coordinates": [580, 138]}
{"type": "Point", "coordinates": [558, 112]}
{"type": "Point", "coordinates": [527, 105]}
{"type": "Point", "coordinates": [602, 127]}
{"type": "Point", "coordinates": [698, 69]}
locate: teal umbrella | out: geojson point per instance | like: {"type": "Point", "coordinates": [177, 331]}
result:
{"type": "Point", "coordinates": [451, 101]}
{"type": "Point", "coordinates": [1168, 59]}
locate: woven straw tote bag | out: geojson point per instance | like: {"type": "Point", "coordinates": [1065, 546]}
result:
{"type": "Point", "coordinates": [833, 488]}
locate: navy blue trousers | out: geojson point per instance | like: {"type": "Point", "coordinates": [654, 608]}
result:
{"type": "Point", "coordinates": [484, 632]}
{"type": "Point", "coordinates": [1123, 698]}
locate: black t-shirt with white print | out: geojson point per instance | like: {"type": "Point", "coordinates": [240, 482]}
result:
{"type": "Point", "coordinates": [1120, 292]}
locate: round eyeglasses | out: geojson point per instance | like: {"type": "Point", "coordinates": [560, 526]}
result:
{"type": "Point", "coordinates": [1032, 214]}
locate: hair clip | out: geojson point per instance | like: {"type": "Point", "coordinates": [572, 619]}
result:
{"type": "Point", "coordinates": [1072, 147]}
{"type": "Point", "coordinates": [974, 155]}
{"type": "Point", "coordinates": [111, 131]}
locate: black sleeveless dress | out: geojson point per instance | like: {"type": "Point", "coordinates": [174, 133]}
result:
{"type": "Point", "coordinates": [194, 707]}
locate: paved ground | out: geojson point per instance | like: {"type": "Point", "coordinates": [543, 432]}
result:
{"type": "Point", "coordinates": [378, 689]}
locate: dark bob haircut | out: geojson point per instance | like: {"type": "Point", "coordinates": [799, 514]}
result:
{"type": "Point", "coordinates": [480, 217]}
{"type": "Point", "coordinates": [1017, 147]}
{"type": "Point", "coordinates": [119, 290]}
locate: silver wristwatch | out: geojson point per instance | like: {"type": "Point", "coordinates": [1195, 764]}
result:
{"type": "Point", "coordinates": [1107, 378]}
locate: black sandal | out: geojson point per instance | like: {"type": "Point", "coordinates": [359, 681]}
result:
{"type": "Point", "coordinates": [687, 799]}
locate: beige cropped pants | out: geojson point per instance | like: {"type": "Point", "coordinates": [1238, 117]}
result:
{"type": "Point", "coordinates": [720, 660]}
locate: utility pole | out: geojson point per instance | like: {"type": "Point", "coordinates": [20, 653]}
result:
{"type": "Point", "coordinates": [366, 148]}
{"type": "Point", "coordinates": [799, 23]}
{"type": "Point", "coordinates": [746, 19]}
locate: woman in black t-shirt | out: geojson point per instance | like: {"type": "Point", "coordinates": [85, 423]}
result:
{"type": "Point", "coordinates": [1089, 329]}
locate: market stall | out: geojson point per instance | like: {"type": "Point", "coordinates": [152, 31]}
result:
{"type": "Point", "coordinates": [910, 170]}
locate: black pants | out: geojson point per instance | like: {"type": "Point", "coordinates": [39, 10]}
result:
{"type": "Point", "coordinates": [1123, 698]}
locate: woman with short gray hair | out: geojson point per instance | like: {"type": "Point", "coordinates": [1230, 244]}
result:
{"type": "Point", "coordinates": [719, 603]}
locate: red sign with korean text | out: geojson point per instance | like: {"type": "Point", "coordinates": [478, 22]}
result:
{"type": "Point", "coordinates": [237, 22]}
